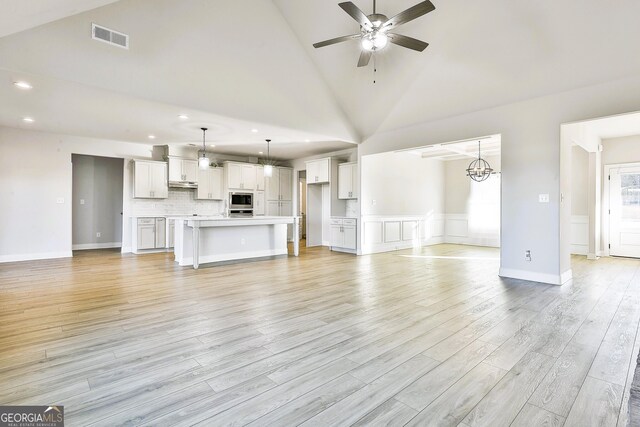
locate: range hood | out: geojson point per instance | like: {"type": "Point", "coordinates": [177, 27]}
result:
{"type": "Point", "coordinates": [182, 184]}
{"type": "Point", "coordinates": [182, 165]}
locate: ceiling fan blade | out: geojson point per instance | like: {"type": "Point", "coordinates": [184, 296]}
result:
{"type": "Point", "coordinates": [408, 42]}
{"type": "Point", "coordinates": [336, 40]}
{"type": "Point", "coordinates": [356, 13]}
{"type": "Point", "coordinates": [410, 14]}
{"type": "Point", "coordinates": [365, 56]}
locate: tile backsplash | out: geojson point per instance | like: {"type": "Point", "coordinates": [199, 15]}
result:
{"type": "Point", "coordinates": [181, 201]}
{"type": "Point", "coordinates": [351, 209]}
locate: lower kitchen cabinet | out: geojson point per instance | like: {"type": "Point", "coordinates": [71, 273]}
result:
{"type": "Point", "coordinates": [150, 233]}
{"type": "Point", "coordinates": [344, 235]}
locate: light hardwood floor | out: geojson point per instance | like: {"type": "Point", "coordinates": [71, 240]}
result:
{"type": "Point", "coordinates": [432, 337]}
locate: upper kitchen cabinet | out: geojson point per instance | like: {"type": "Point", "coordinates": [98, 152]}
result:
{"type": "Point", "coordinates": [182, 171]}
{"type": "Point", "coordinates": [210, 184]}
{"type": "Point", "coordinates": [260, 178]}
{"type": "Point", "coordinates": [150, 180]}
{"type": "Point", "coordinates": [280, 184]}
{"type": "Point", "coordinates": [348, 181]}
{"type": "Point", "coordinates": [240, 176]}
{"type": "Point", "coordinates": [318, 171]}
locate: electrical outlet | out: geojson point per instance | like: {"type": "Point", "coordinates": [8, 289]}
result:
{"type": "Point", "coordinates": [373, 203]}
{"type": "Point", "coordinates": [98, 234]}
{"type": "Point", "coordinates": [543, 198]}
{"type": "Point", "coordinates": [60, 200]}
{"type": "Point", "coordinates": [242, 241]}
{"type": "Point", "coordinates": [527, 255]}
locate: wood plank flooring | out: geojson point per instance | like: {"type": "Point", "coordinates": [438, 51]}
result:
{"type": "Point", "coordinates": [429, 337]}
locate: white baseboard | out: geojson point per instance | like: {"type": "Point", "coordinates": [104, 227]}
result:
{"type": "Point", "coordinates": [233, 257]}
{"type": "Point", "coordinates": [579, 249]}
{"type": "Point", "coordinates": [532, 276]}
{"type": "Point", "coordinates": [36, 256]}
{"type": "Point", "coordinates": [397, 246]}
{"type": "Point", "coordinates": [126, 249]}
{"type": "Point", "coordinates": [87, 246]}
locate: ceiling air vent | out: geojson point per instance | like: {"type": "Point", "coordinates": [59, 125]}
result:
{"type": "Point", "coordinates": [112, 37]}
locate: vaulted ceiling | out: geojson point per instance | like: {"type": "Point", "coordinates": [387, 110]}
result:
{"type": "Point", "coordinates": [239, 65]}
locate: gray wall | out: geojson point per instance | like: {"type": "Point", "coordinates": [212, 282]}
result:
{"type": "Point", "coordinates": [99, 182]}
{"type": "Point", "coordinates": [579, 181]}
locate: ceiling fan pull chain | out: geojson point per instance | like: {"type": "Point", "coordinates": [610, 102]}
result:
{"type": "Point", "coordinates": [375, 69]}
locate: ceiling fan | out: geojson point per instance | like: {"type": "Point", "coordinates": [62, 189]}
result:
{"type": "Point", "coordinates": [376, 29]}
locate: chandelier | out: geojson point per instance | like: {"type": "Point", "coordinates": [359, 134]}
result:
{"type": "Point", "coordinates": [479, 170]}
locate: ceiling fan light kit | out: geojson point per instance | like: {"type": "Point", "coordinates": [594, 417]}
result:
{"type": "Point", "coordinates": [375, 30]}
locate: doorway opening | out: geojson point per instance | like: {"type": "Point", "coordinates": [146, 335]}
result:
{"type": "Point", "coordinates": [424, 196]}
{"type": "Point", "coordinates": [97, 200]}
{"type": "Point", "coordinates": [605, 184]}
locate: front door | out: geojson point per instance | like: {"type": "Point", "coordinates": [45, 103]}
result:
{"type": "Point", "coordinates": [624, 205]}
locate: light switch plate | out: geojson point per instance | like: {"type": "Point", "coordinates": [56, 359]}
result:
{"type": "Point", "coordinates": [82, 201]}
{"type": "Point", "coordinates": [543, 198]}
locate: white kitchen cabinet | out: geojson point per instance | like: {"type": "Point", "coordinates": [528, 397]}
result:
{"type": "Point", "coordinates": [241, 176]}
{"type": "Point", "coordinates": [286, 184]}
{"type": "Point", "coordinates": [210, 184]}
{"type": "Point", "coordinates": [150, 180]}
{"type": "Point", "coordinates": [151, 233]}
{"type": "Point", "coordinates": [146, 236]}
{"type": "Point", "coordinates": [183, 170]}
{"type": "Point", "coordinates": [343, 234]}
{"type": "Point", "coordinates": [160, 232]}
{"type": "Point", "coordinates": [258, 203]}
{"type": "Point", "coordinates": [279, 208]}
{"type": "Point", "coordinates": [259, 178]}
{"type": "Point", "coordinates": [171, 233]}
{"type": "Point", "coordinates": [318, 171]}
{"type": "Point", "coordinates": [348, 181]}
{"type": "Point", "coordinates": [279, 186]}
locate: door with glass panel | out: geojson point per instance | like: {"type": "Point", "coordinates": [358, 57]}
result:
{"type": "Point", "coordinates": [624, 208]}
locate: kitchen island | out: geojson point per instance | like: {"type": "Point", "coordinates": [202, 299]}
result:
{"type": "Point", "coordinates": [205, 239]}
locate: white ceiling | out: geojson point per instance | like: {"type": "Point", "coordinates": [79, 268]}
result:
{"type": "Point", "coordinates": [236, 65]}
{"type": "Point", "coordinates": [468, 149]}
{"type": "Point", "coordinates": [20, 15]}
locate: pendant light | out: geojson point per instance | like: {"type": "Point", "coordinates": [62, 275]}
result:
{"type": "Point", "coordinates": [203, 161]}
{"type": "Point", "coordinates": [268, 163]}
{"type": "Point", "coordinates": [479, 170]}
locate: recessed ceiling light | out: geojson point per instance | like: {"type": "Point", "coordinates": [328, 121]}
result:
{"type": "Point", "coordinates": [152, 137]}
{"type": "Point", "coordinates": [307, 140]}
{"type": "Point", "coordinates": [254, 130]}
{"type": "Point", "coordinates": [22, 85]}
{"type": "Point", "coordinates": [183, 117]}
{"type": "Point", "coordinates": [260, 152]}
{"type": "Point", "coordinates": [212, 146]}
{"type": "Point", "coordinates": [28, 119]}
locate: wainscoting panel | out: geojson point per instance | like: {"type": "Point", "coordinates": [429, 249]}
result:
{"type": "Point", "coordinates": [579, 234]}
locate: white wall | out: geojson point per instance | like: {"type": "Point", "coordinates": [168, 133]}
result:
{"type": "Point", "coordinates": [402, 184]}
{"type": "Point", "coordinates": [579, 181]}
{"type": "Point", "coordinates": [530, 166]}
{"type": "Point", "coordinates": [36, 171]}
{"type": "Point", "coordinates": [457, 184]}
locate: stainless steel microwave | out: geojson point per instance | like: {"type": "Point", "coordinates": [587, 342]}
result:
{"type": "Point", "coordinates": [240, 201]}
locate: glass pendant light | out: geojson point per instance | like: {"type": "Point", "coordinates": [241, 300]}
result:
{"type": "Point", "coordinates": [268, 163]}
{"type": "Point", "coordinates": [203, 161]}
